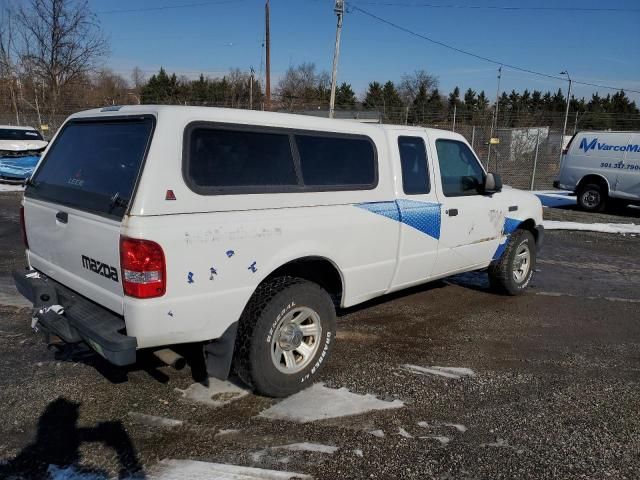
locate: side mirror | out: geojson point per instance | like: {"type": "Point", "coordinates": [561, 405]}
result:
{"type": "Point", "coordinates": [492, 183]}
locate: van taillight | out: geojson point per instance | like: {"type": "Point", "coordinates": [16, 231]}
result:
{"type": "Point", "coordinates": [143, 268]}
{"type": "Point", "coordinates": [23, 228]}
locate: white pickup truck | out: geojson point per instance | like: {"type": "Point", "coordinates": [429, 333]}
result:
{"type": "Point", "coordinates": [150, 226]}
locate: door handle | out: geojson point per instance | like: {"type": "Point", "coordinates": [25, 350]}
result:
{"type": "Point", "coordinates": [62, 217]}
{"type": "Point", "coordinates": [452, 212]}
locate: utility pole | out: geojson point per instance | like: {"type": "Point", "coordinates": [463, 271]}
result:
{"type": "Point", "coordinates": [455, 110]}
{"type": "Point", "coordinates": [494, 123]}
{"type": "Point", "coordinates": [566, 115]}
{"type": "Point", "coordinates": [251, 89]}
{"type": "Point", "coordinates": [339, 10]}
{"type": "Point", "coordinates": [267, 38]}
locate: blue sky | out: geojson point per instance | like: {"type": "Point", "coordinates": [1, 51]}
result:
{"type": "Point", "coordinates": [596, 47]}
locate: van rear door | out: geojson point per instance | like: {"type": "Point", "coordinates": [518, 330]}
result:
{"type": "Point", "coordinates": [75, 202]}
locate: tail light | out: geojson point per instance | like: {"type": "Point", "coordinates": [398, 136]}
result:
{"type": "Point", "coordinates": [23, 228]}
{"type": "Point", "coordinates": [143, 268]}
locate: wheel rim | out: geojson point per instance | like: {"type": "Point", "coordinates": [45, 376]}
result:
{"type": "Point", "coordinates": [296, 340]}
{"type": "Point", "coordinates": [591, 198]}
{"type": "Point", "coordinates": [522, 263]}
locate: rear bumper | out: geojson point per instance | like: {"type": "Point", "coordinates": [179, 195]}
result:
{"type": "Point", "coordinates": [81, 321]}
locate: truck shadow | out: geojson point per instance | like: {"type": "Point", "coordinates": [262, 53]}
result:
{"type": "Point", "coordinates": [57, 447]}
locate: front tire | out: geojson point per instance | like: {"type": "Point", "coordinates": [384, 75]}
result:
{"type": "Point", "coordinates": [512, 273]}
{"type": "Point", "coordinates": [592, 198]}
{"type": "Point", "coordinates": [285, 336]}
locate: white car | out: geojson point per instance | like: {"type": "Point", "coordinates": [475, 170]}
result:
{"type": "Point", "coordinates": [20, 149]}
{"type": "Point", "coordinates": [602, 168]}
{"type": "Point", "coordinates": [148, 226]}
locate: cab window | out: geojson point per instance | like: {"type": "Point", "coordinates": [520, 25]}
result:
{"type": "Point", "coordinates": [413, 159]}
{"type": "Point", "coordinates": [460, 171]}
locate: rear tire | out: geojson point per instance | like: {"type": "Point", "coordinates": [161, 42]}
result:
{"type": "Point", "coordinates": [512, 273]}
{"type": "Point", "coordinates": [592, 197]}
{"type": "Point", "coordinates": [285, 336]}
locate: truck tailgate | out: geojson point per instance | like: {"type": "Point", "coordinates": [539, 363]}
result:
{"type": "Point", "coordinates": [78, 249]}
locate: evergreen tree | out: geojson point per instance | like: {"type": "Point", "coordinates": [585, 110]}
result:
{"type": "Point", "coordinates": [345, 97]}
{"type": "Point", "coordinates": [374, 98]}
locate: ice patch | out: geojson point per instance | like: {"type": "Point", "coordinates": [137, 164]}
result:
{"type": "Point", "coordinates": [319, 403]}
{"type": "Point", "coordinates": [308, 447]}
{"type": "Point", "coordinates": [154, 421]}
{"type": "Point", "coordinates": [216, 394]}
{"type": "Point", "coordinates": [358, 453]}
{"type": "Point", "coordinates": [593, 227]}
{"type": "Point", "coordinates": [376, 433]}
{"type": "Point", "coordinates": [195, 470]}
{"type": "Point", "coordinates": [403, 433]}
{"type": "Point", "coordinates": [448, 372]}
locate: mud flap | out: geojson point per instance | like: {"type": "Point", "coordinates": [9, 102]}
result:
{"type": "Point", "coordinates": [219, 353]}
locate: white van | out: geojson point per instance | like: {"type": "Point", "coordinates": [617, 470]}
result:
{"type": "Point", "coordinates": [602, 168]}
{"type": "Point", "coordinates": [149, 226]}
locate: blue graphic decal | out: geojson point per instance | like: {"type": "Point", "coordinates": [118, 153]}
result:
{"type": "Point", "coordinates": [510, 226]}
{"type": "Point", "coordinates": [423, 216]}
{"type": "Point", "coordinates": [386, 209]}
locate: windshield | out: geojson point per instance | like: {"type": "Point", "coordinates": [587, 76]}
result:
{"type": "Point", "coordinates": [93, 165]}
{"type": "Point", "coordinates": [19, 134]}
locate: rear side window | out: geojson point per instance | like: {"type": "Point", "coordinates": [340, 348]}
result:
{"type": "Point", "coordinates": [222, 159]}
{"type": "Point", "coordinates": [327, 161]}
{"type": "Point", "coordinates": [94, 165]}
{"type": "Point", "coordinates": [413, 159]}
{"type": "Point", "coordinates": [460, 171]}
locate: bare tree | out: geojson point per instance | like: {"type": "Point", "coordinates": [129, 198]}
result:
{"type": "Point", "coordinates": [61, 42]}
{"type": "Point", "coordinates": [138, 78]}
{"type": "Point", "coordinates": [410, 85]}
{"type": "Point", "coordinates": [302, 84]}
{"type": "Point", "coordinates": [8, 70]}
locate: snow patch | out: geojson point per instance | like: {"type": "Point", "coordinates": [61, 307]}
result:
{"type": "Point", "coordinates": [461, 428]}
{"type": "Point", "coordinates": [458, 426]}
{"type": "Point", "coordinates": [319, 403]}
{"type": "Point", "coordinates": [376, 433]}
{"type": "Point", "coordinates": [358, 453]}
{"type": "Point", "coordinates": [592, 227]}
{"type": "Point", "coordinates": [11, 188]}
{"type": "Point", "coordinates": [154, 421]}
{"type": "Point", "coordinates": [555, 199]}
{"type": "Point", "coordinates": [195, 470]}
{"type": "Point", "coordinates": [226, 431]}
{"type": "Point", "coordinates": [441, 438]}
{"type": "Point", "coordinates": [403, 433]}
{"type": "Point", "coordinates": [448, 372]}
{"type": "Point", "coordinates": [216, 394]}
{"type": "Point", "coordinates": [308, 447]}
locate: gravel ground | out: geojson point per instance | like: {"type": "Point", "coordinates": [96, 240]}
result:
{"type": "Point", "coordinates": [555, 391]}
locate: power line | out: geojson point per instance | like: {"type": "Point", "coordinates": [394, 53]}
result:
{"type": "Point", "coordinates": [479, 57]}
{"type": "Point", "coordinates": [167, 7]}
{"type": "Point", "coordinates": [499, 7]}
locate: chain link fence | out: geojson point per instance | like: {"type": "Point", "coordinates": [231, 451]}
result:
{"type": "Point", "coordinates": [526, 157]}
